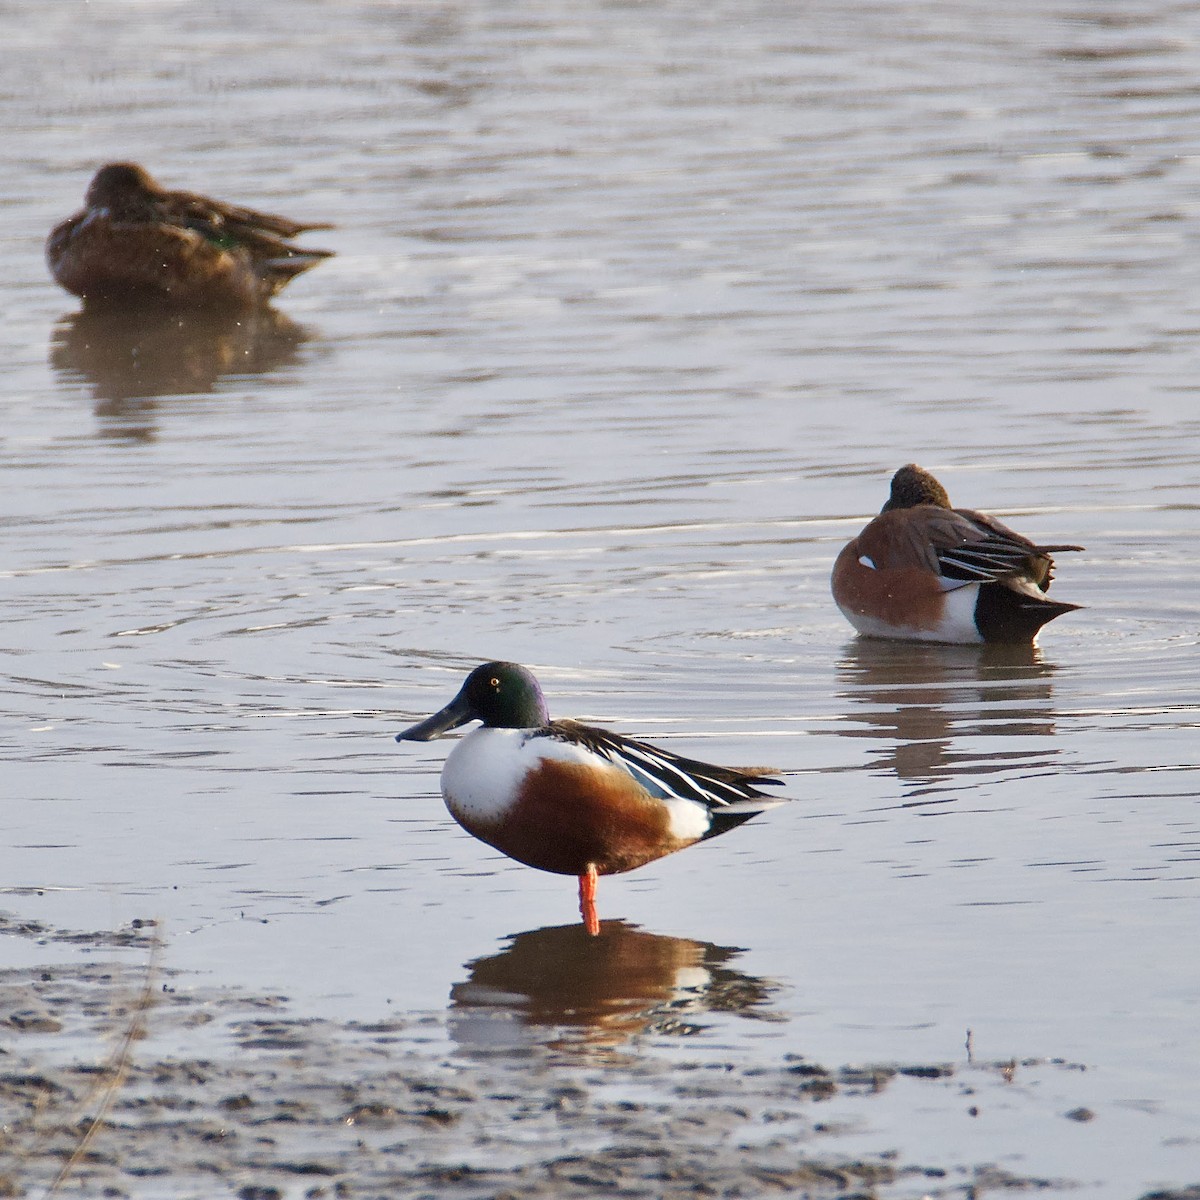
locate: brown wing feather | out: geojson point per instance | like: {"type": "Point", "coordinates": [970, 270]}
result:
{"type": "Point", "coordinates": [101, 259]}
{"type": "Point", "coordinates": [187, 207]}
{"type": "Point", "coordinates": [956, 543]}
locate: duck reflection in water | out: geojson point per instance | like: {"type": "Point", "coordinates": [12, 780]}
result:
{"type": "Point", "coordinates": [920, 699]}
{"type": "Point", "coordinates": [561, 989]}
{"type": "Point", "coordinates": [129, 358]}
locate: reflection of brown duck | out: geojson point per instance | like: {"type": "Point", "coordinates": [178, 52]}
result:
{"type": "Point", "coordinates": [136, 243]}
{"type": "Point", "coordinates": [128, 357]}
{"type": "Point", "coordinates": [596, 992]}
{"type": "Point", "coordinates": [919, 697]}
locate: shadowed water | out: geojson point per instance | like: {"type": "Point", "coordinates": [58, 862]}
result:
{"type": "Point", "coordinates": [635, 309]}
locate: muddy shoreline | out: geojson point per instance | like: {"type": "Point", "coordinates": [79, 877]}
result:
{"type": "Point", "coordinates": [100, 1098]}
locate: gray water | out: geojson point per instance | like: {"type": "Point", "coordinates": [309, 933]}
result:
{"type": "Point", "coordinates": [635, 309]}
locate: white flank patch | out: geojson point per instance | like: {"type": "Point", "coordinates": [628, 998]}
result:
{"type": "Point", "coordinates": [689, 819]}
{"type": "Point", "coordinates": [958, 620]}
{"type": "Point", "coordinates": [957, 624]}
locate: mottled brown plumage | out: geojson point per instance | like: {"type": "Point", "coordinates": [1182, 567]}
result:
{"type": "Point", "coordinates": [136, 243]}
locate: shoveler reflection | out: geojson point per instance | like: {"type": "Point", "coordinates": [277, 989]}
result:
{"type": "Point", "coordinates": [562, 989]}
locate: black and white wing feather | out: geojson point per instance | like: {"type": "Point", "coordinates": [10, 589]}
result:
{"type": "Point", "coordinates": [974, 548]}
{"type": "Point", "coordinates": [668, 775]}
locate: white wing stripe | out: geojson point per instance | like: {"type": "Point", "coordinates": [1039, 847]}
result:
{"type": "Point", "coordinates": [660, 772]}
{"type": "Point", "coordinates": [664, 774]}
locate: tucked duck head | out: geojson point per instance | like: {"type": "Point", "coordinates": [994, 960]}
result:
{"type": "Point", "coordinates": [119, 185]}
{"type": "Point", "coordinates": [912, 486]}
{"type": "Point", "coordinates": [502, 695]}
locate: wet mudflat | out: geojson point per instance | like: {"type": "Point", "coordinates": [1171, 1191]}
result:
{"type": "Point", "coordinates": [276, 1104]}
{"type": "Point", "coordinates": [635, 309]}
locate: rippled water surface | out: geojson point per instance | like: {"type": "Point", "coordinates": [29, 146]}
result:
{"type": "Point", "coordinates": [635, 309]}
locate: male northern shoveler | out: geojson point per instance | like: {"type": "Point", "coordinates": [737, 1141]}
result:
{"type": "Point", "coordinates": [924, 571]}
{"type": "Point", "coordinates": [138, 243]}
{"type": "Point", "coordinates": [573, 799]}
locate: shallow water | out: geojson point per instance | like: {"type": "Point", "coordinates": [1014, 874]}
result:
{"type": "Point", "coordinates": [635, 309]}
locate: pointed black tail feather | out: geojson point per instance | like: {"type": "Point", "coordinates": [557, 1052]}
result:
{"type": "Point", "coordinates": [1005, 615]}
{"type": "Point", "coordinates": [723, 820]}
